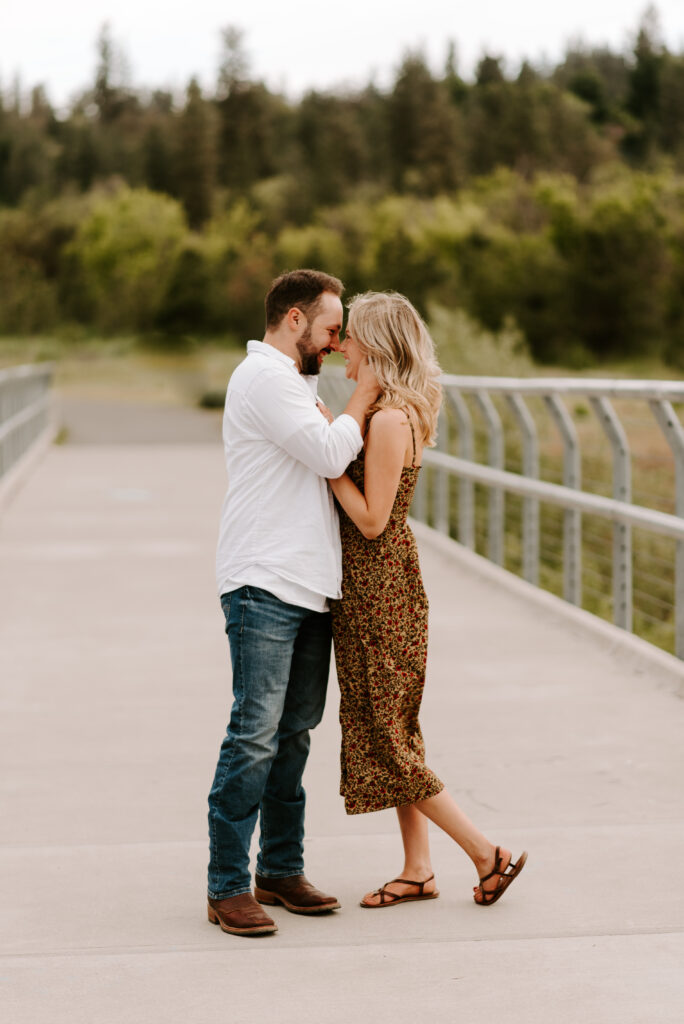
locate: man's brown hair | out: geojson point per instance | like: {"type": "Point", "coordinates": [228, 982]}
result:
{"type": "Point", "coordinates": [300, 288]}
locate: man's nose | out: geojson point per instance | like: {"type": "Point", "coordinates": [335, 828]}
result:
{"type": "Point", "coordinates": [335, 344]}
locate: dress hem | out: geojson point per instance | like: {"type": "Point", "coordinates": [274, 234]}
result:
{"type": "Point", "coordinates": [388, 803]}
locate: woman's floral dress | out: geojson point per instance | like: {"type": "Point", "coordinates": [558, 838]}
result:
{"type": "Point", "coordinates": [380, 629]}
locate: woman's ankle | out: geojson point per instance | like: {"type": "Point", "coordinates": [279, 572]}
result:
{"type": "Point", "coordinates": [487, 862]}
{"type": "Point", "coordinates": [483, 858]}
{"type": "Point", "coordinates": [419, 871]}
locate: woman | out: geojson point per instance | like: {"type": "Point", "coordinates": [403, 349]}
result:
{"type": "Point", "coordinates": [380, 624]}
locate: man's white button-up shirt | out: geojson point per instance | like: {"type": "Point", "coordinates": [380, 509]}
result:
{"type": "Point", "coordinates": [279, 527]}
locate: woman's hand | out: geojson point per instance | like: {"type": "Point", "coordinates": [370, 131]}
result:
{"type": "Point", "coordinates": [366, 379]}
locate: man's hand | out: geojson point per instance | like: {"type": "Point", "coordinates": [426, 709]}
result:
{"type": "Point", "coordinates": [324, 411]}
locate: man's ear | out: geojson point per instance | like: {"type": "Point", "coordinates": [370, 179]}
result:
{"type": "Point", "coordinates": [295, 319]}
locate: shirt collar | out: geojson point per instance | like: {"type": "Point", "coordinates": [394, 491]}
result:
{"type": "Point", "coordinates": [274, 353]}
{"type": "Point", "coordinates": [264, 349]}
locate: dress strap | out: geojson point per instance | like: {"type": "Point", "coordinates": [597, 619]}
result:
{"type": "Point", "coordinates": [413, 438]}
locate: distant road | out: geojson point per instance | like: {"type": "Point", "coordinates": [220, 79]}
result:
{"type": "Point", "coordinates": [90, 421]}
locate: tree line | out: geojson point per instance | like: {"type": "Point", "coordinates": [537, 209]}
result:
{"type": "Point", "coordinates": [555, 197]}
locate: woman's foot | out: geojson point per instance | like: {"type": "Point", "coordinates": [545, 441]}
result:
{"type": "Point", "coordinates": [402, 890]}
{"type": "Point", "coordinates": [496, 872]}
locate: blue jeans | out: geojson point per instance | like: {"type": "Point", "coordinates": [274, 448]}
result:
{"type": "Point", "coordinates": [281, 658]}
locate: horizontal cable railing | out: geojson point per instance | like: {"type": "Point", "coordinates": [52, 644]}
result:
{"type": "Point", "coordinates": [24, 410]}
{"type": "Point", "coordinates": [593, 435]}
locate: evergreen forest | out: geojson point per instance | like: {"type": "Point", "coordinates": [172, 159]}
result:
{"type": "Point", "coordinates": [548, 201]}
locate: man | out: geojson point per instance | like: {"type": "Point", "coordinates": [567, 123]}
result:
{"type": "Point", "coordinates": [278, 563]}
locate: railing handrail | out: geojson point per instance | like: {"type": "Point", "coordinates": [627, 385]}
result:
{"type": "Point", "coordinates": [26, 370]}
{"type": "Point", "coordinates": [24, 416]}
{"type": "Point", "coordinates": [556, 494]}
{"type": "Point", "coordinates": [596, 387]}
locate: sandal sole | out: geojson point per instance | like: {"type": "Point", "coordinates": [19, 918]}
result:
{"type": "Point", "coordinates": [519, 865]}
{"type": "Point", "coordinates": [400, 899]}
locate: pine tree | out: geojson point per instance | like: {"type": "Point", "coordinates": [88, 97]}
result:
{"type": "Point", "coordinates": [196, 156]}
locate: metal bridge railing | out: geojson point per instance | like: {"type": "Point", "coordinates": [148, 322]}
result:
{"type": "Point", "coordinates": [24, 411]}
{"type": "Point", "coordinates": [486, 420]}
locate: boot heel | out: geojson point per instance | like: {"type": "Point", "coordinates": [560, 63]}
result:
{"type": "Point", "coordinates": [265, 897]}
{"type": "Point", "coordinates": [211, 914]}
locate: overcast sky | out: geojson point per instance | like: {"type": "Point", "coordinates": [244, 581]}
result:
{"type": "Point", "coordinates": [301, 44]}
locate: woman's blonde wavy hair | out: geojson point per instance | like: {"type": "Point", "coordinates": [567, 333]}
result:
{"type": "Point", "coordinates": [393, 337]}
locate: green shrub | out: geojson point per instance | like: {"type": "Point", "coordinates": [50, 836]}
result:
{"type": "Point", "coordinates": [465, 347]}
{"type": "Point", "coordinates": [123, 258]}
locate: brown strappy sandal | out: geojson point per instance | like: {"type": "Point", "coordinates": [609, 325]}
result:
{"type": "Point", "coordinates": [490, 896]}
{"type": "Point", "coordinates": [388, 899]}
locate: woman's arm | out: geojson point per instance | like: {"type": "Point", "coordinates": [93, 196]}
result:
{"type": "Point", "coordinates": [385, 454]}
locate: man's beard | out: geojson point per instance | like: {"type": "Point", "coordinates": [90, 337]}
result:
{"type": "Point", "coordinates": [308, 359]}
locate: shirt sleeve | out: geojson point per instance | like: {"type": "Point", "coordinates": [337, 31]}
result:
{"type": "Point", "coordinates": [284, 411]}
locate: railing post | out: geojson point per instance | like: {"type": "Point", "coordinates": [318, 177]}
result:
{"type": "Point", "coordinates": [24, 411]}
{"type": "Point", "coordinates": [572, 520]}
{"type": "Point", "coordinates": [441, 492]}
{"type": "Point", "coordinates": [622, 490]}
{"type": "Point", "coordinates": [466, 488]}
{"type": "Point", "coordinates": [530, 461]}
{"type": "Point", "coordinates": [495, 459]}
{"type": "Point", "coordinates": [668, 421]}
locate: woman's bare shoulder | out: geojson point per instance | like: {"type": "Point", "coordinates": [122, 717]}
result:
{"type": "Point", "coordinates": [388, 419]}
{"type": "Point", "coordinates": [387, 431]}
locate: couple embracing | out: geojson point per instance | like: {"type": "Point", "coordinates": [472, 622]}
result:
{"type": "Point", "coordinates": [314, 544]}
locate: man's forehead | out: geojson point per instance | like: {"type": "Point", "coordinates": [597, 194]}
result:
{"type": "Point", "coordinates": [331, 309]}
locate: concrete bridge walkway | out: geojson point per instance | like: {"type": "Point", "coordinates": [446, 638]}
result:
{"type": "Point", "coordinates": [553, 735]}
